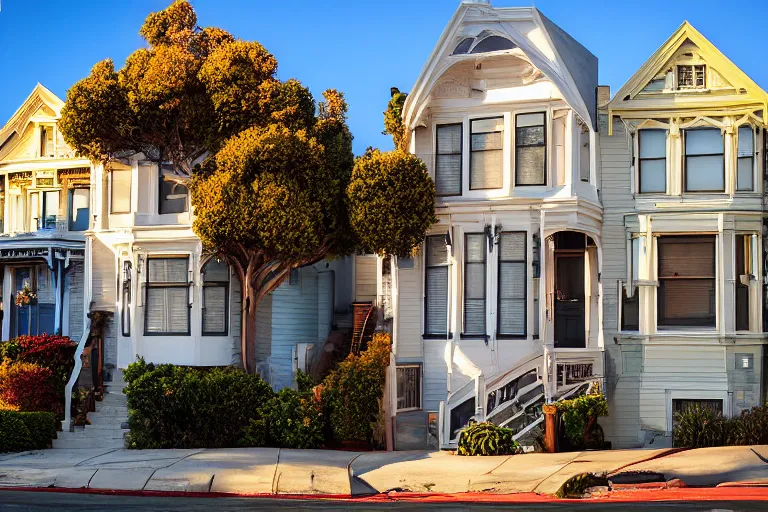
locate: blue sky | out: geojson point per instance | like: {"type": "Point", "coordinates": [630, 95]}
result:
{"type": "Point", "coordinates": [360, 47]}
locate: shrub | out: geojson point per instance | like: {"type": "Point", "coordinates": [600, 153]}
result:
{"type": "Point", "coordinates": [750, 428]}
{"type": "Point", "coordinates": [487, 439]}
{"type": "Point", "coordinates": [178, 407]}
{"type": "Point", "coordinates": [699, 427]}
{"type": "Point", "coordinates": [351, 392]}
{"type": "Point", "coordinates": [5, 406]}
{"type": "Point", "coordinates": [10, 349]}
{"type": "Point", "coordinates": [579, 417]}
{"type": "Point", "coordinates": [14, 434]}
{"type": "Point", "coordinates": [30, 387]}
{"type": "Point", "coordinates": [49, 351]}
{"type": "Point", "coordinates": [42, 428]}
{"type": "Point", "coordinates": [289, 420]}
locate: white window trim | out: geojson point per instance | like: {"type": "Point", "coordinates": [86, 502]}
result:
{"type": "Point", "coordinates": [421, 386]}
{"type": "Point", "coordinates": [692, 394]}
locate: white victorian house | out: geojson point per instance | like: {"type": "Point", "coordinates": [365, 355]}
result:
{"type": "Point", "coordinates": [682, 185]}
{"type": "Point", "coordinates": [502, 308]}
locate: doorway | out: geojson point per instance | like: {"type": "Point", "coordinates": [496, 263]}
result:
{"type": "Point", "coordinates": [570, 296]}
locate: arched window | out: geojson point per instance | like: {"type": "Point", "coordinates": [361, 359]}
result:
{"type": "Point", "coordinates": [493, 44]}
{"type": "Point", "coordinates": [215, 276]}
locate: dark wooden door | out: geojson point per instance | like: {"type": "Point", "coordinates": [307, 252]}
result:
{"type": "Point", "coordinates": [569, 301]}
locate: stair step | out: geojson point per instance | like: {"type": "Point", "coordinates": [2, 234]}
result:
{"type": "Point", "coordinates": [85, 444]}
{"type": "Point", "coordinates": [93, 435]}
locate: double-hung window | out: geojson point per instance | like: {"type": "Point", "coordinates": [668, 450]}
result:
{"type": "Point", "coordinates": [704, 160]}
{"type": "Point", "coordinates": [512, 284]}
{"type": "Point", "coordinates": [215, 298]}
{"type": "Point", "coordinates": [408, 387]}
{"type": "Point", "coordinates": [120, 193]}
{"type": "Point", "coordinates": [436, 286]}
{"type": "Point", "coordinates": [652, 161]}
{"type": "Point", "coordinates": [686, 293]}
{"type": "Point", "coordinates": [746, 159]}
{"type": "Point", "coordinates": [486, 156]}
{"type": "Point", "coordinates": [448, 160]}
{"type": "Point", "coordinates": [530, 149]}
{"type": "Point", "coordinates": [474, 284]}
{"type": "Point", "coordinates": [166, 308]}
{"type": "Point", "coordinates": [691, 76]}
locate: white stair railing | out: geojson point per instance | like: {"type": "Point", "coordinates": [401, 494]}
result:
{"type": "Point", "coordinates": [65, 424]}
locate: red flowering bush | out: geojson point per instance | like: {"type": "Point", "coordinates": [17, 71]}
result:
{"type": "Point", "coordinates": [47, 350]}
{"type": "Point", "coordinates": [30, 387]}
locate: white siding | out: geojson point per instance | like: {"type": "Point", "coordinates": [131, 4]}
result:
{"type": "Point", "coordinates": [235, 315]}
{"type": "Point", "coordinates": [74, 283]}
{"type": "Point", "coordinates": [294, 320]}
{"type": "Point", "coordinates": [409, 313]}
{"type": "Point", "coordinates": [435, 374]}
{"type": "Point", "coordinates": [264, 329]}
{"type": "Point", "coordinates": [365, 278]}
{"type": "Point", "coordinates": [104, 277]}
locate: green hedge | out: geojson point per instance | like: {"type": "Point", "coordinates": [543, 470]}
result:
{"type": "Point", "coordinates": [579, 418]}
{"type": "Point", "coordinates": [20, 431]}
{"type": "Point", "coordinates": [701, 426]}
{"type": "Point", "coordinates": [487, 439]}
{"type": "Point", "coordinates": [180, 407]}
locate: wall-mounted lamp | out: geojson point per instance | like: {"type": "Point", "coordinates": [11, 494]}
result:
{"type": "Point", "coordinates": [448, 242]}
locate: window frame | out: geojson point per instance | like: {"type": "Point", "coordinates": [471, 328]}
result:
{"type": "Point", "coordinates": [544, 144]}
{"type": "Point", "coordinates": [149, 284]}
{"type": "Point", "coordinates": [752, 157]}
{"type": "Point", "coordinates": [640, 160]}
{"type": "Point", "coordinates": [464, 333]}
{"type": "Point", "coordinates": [214, 284]}
{"type": "Point", "coordinates": [660, 323]}
{"type": "Point", "coordinates": [426, 334]}
{"type": "Point", "coordinates": [524, 261]}
{"type": "Point", "coordinates": [420, 390]}
{"type": "Point", "coordinates": [161, 180]}
{"type": "Point", "coordinates": [472, 151]}
{"type": "Point", "coordinates": [112, 191]}
{"type": "Point", "coordinates": [693, 67]}
{"type": "Point", "coordinates": [70, 204]}
{"type": "Point", "coordinates": [126, 298]}
{"type": "Point", "coordinates": [460, 153]}
{"type": "Point", "coordinates": [686, 156]}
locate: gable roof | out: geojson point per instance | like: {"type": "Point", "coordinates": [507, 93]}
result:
{"type": "Point", "coordinates": [568, 64]}
{"type": "Point", "coordinates": [713, 57]}
{"type": "Point", "coordinates": [39, 97]}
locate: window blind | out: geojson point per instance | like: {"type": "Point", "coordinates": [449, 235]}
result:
{"type": "Point", "coordinates": [167, 296]}
{"type": "Point", "coordinates": [486, 157]}
{"type": "Point", "coordinates": [436, 286]}
{"type": "Point", "coordinates": [530, 149]}
{"type": "Point", "coordinates": [686, 294]}
{"type": "Point", "coordinates": [474, 284]}
{"type": "Point", "coordinates": [215, 295]}
{"type": "Point", "coordinates": [448, 160]}
{"type": "Point", "coordinates": [512, 284]}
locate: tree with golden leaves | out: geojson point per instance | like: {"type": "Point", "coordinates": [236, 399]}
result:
{"type": "Point", "coordinates": [269, 169]}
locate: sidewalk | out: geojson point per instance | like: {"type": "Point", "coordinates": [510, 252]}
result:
{"type": "Point", "coordinates": [272, 471]}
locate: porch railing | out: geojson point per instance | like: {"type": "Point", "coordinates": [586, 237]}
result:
{"type": "Point", "coordinates": [65, 424]}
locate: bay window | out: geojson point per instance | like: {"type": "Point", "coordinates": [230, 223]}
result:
{"type": "Point", "coordinates": [174, 196]}
{"type": "Point", "coordinates": [686, 271]}
{"type": "Point", "coordinates": [436, 286]}
{"type": "Point", "coordinates": [448, 160]}
{"type": "Point", "coordinates": [166, 308]}
{"type": "Point", "coordinates": [474, 284]}
{"type": "Point", "coordinates": [746, 159]}
{"type": "Point", "coordinates": [743, 273]}
{"type": "Point", "coordinates": [530, 149]}
{"type": "Point", "coordinates": [215, 298]}
{"type": "Point", "coordinates": [120, 193]}
{"type": "Point", "coordinates": [652, 161]}
{"type": "Point", "coordinates": [512, 284]}
{"type": "Point", "coordinates": [486, 155]}
{"type": "Point", "coordinates": [704, 160]}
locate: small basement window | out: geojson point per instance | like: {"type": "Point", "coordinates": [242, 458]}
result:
{"type": "Point", "coordinates": [408, 387]}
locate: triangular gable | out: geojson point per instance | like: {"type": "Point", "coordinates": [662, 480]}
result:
{"type": "Point", "coordinates": [688, 46]}
{"type": "Point", "coordinates": [41, 102]}
{"type": "Point", "coordinates": [539, 41]}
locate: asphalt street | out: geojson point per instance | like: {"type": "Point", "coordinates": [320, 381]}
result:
{"type": "Point", "coordinates": [69, 502]}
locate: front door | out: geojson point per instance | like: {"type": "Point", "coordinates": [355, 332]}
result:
{"type": "Point", "coordinates": [25, 321]}
{"type": "Point", "coordinates": [38, 318]}
{"type": "Point", "coordinates": [569, 301]}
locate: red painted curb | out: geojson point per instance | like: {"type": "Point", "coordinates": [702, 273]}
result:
{"type": "Point", "coordinates": [621, 496]}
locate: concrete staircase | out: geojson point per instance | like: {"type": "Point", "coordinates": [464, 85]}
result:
{"type": "Point", "coordinates": [106, 428]}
